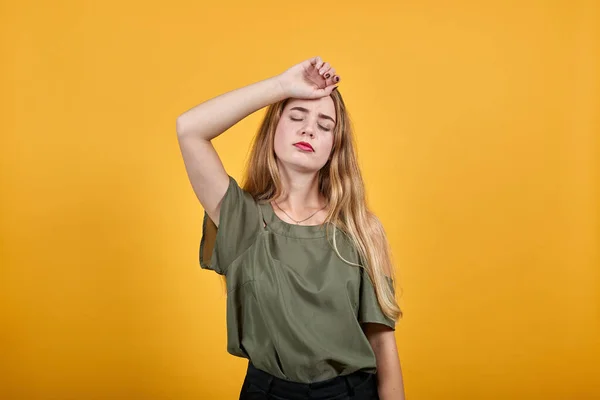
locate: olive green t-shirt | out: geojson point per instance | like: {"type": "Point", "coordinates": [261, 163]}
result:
{"type": "Point", "coordinates": [294, 308]}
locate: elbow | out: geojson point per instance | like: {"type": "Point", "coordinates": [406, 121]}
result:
{"type": "Point", "coordinates": [186, 127]}
{"type": "Point", "coordinates": [180, 126]}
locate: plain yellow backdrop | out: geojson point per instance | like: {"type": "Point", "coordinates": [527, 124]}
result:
{"type": "Point", "coordinates": [478, 132]}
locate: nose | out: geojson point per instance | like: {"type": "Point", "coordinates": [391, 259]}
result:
{"type": "Point", "coordinates": [308, 131]}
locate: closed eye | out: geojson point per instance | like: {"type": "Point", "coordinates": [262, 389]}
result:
{"type": "Point", "coordinates": [322, 127]}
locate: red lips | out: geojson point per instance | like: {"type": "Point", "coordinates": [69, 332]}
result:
{"type": "Point", "coordinates": [304, 146]}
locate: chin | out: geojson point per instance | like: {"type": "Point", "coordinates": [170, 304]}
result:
{"type": "Point", "coordinates": [299, 166]}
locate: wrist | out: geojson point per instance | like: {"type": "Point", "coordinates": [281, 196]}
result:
{"type": "Point", "coordinates": [281, 87]}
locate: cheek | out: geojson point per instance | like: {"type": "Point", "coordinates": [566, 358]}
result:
{"type": "Point", "coordinates": [328, 146]}
{"type": "Point", "coordinates": [280, 139]}
{"type": "Point", "coordinates": [324, 152]}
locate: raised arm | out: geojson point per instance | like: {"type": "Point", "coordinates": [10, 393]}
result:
{"type": "Point", "coordinates": [199, 125]}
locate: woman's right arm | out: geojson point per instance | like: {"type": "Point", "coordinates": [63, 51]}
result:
{"type": "Point", "coordinates": [199, 125]}
{"type": "Point", "coordinates": [196, 127]}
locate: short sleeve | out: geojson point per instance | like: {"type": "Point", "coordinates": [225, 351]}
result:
{"type": "Point", "coordinates": [239, 225]}
{"type": "Point", "coordinates": [369, 309]}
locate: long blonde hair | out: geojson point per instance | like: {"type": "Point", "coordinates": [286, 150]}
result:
{"type": "Point", "coordinates": [341, 183]}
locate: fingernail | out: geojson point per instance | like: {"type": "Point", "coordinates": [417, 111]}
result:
{"type": "Point", "coordinates": [327, 75]}
{"type": "Point", "coordinates": [337, 78]}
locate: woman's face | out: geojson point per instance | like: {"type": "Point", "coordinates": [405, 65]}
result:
{"type": "Point", "coordinates": [308, 121]}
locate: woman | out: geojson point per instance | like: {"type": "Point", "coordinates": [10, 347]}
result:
{"type": "Point", "coordinates": [310, 287]}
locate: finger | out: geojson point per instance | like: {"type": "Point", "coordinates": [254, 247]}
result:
{"type": "Point", "coordinates": [325, 92]}
{"type": "Point", "coordinates": [330, 89]}
{"type": "Point", "coordinates": [317, 62]}
{"type": "Point", "coordinates": [329, 74]}
{"type": "Point", "coordinates": [333, 80]}
{"type": "Point", "coordinates": [324, 68]}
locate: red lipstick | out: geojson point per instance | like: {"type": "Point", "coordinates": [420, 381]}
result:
{"type": "Point", "coordinates": [304, 146]}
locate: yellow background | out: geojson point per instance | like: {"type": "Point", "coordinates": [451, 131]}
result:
{"type": "Point", "coordinates": [478, 134]}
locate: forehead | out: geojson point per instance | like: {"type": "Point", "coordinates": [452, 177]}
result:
{"type": "Point", "coordinates": [322, 105]}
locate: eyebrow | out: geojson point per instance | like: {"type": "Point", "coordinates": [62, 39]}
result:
{"type": "Point", "coordinates": [320, 115]}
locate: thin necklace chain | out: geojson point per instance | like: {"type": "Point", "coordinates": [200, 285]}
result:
{"type": "Point", "coordinates": [298, 222]}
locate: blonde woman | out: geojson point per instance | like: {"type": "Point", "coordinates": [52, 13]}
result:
{"type": "Point", "coordinates": [310, 284]}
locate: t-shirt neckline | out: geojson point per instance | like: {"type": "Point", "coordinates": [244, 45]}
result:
{"type": "Point", "coordinates": [277, 225]}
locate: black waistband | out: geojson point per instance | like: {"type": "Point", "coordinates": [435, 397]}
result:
{"type": "Point", "coordinates": [323, 389]}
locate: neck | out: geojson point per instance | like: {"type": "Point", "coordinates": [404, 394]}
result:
{"type": "Point", "coordinates": [300, 193]}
